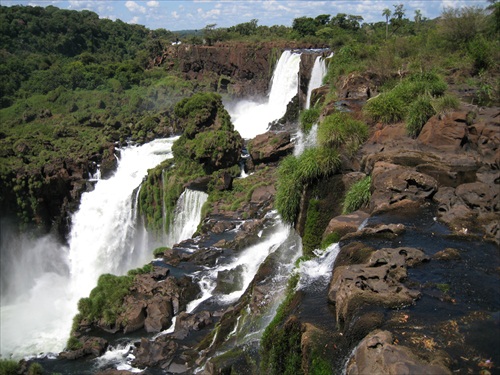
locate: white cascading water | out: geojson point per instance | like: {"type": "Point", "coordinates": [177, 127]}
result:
{"type": "Point", "coordinates": [187, 216]}
{"type": "Point", "coordinates": [252, 118]}
{"type": "Point", "coordinates": [317, 272]}
{"type": "Point", "coordinates": [248, 260]}
{"type": "Point", "coordinates": [104, 238]}
{"type": "Point", "coordinates": [317, 74]}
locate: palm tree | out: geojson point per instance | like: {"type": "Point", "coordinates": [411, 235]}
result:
{"type": "Point", "coordinates": [387, 13]}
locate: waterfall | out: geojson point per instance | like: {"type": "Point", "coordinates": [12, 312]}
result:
{"type": "Point", "coordinates": [104, 238]}
{"type": "Point", "coordinates": [251, 118]}
{"type": "Point", "coordinates": [187, 216]}
{"type": "Point", "coordinates": [317, 74]}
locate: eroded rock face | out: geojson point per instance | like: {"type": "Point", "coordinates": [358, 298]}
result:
{"type": "Point", "coordinates": [376, 282]}
{"type": "Point", "coordinates": [270, 147]}
{"type": "Point", "coordinates": [397, 186]}
{"type": "Point", "coordinates": [377, 354]}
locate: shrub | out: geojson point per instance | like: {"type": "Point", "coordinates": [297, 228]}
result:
{"type": "Point", "coordinates": [308, 118]}
{"type": "Point", "coordinates": [357, 196]}
{"type": "Point", "coordinates": [419, 111]}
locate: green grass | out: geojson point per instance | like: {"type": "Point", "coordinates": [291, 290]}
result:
{"type": "Point", "coordinates": [419, 112]}
{"type": "Point", "coordinates": [357, 196]}
{"type": "Point", "coordinates": [340, 130]}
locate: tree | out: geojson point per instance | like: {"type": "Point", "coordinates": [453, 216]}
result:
{"type": "Point", "coordinates": [387, 13]}
{"type": "Point", "coordinates": [418, 17]}
{"type": "Point", "coordinates": [305, 26]}
{"type": "Point", "coordinates": [397, 17]}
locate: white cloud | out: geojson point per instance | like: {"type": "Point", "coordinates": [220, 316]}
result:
{"type": "Point", "coordinates": [153, 4]}
{"type": "Point", "coordinates": [134, 20]}
{"type": "Point", "coordinates": [133, 7]}
{"type": "Point", "coordinates": [175, 15]}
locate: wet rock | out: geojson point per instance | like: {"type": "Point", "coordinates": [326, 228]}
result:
{"type": "Point", "coordinates": [134, 316]}
{"type": "Point", "coordinates": [345, 224]}
{"type": "Point", "coordinates": [186, 322]}
{"type": "Point", "coordinates": [270, 147]}
{"type": "Point", "coordinates": [155, 353]}
{"type": "Point", "coordinates": [376, 282]}
{"type": "Point", "coordinates": [447, 254]}
{"type": "Point", "coordinates": [91, 347]}
{"type": "Point", "coordinates": [377, 354]}
{"type": "Point", "coordinates": [382, 231]}
{"type": "Point", "coordinates": [230, 280]}
{"type": "Point", "coordinates": [159, 313]}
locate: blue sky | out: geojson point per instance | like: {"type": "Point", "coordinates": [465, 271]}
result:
{"type": "Point", "coordinates": [196, 14]}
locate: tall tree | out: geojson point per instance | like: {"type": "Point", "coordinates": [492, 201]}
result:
{"type": "Point", "coordinates": [387, 13]}
{"type": "Point", "coordinates": [418, 17]}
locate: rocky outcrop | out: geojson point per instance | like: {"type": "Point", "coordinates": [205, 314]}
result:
{"type": "Point", "coordinates": [379, 354]}
{"type": "Point", "coordinates": [377, 282]}
{"type": "Point", "coordinates": [270, 147]}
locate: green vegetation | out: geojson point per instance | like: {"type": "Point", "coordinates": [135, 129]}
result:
{"type": "Point", "coordinates": [105, 300]}
{"type": "Point", "coordinates": [9, 367]}
{"type": "Point", "coordinates": [208, 146]}
{"type": "Point", "coordinates": [294, 173]}
{"type": "Point", "coordinates": [308, 118]}
{"type": "Point", "coordinates": [357, 196]}
{"type": "Point", "coordinates": [281, 340]}
{"type": "Point", "coordinates": [340, 130]}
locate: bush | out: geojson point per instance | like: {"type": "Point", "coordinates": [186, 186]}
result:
{"type": "Point", "coordinates": [357, 196]}
{"type": "Point", "coordinates": [419, 111]}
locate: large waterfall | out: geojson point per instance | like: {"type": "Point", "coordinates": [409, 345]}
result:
{"type": "Point", "coordinates": [104, 238]}
{"type": "Point", "coordinates": [252, 118]}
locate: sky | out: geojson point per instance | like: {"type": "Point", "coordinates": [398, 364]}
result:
{"type": "Point", "coordinates": [176, 15]}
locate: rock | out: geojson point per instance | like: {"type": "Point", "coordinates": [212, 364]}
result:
{"type": "Point", "coordinates": [379, 231]}
{"type": "Point", "coordinates": [478, 195]}
{"type": "Point", "coordinates": [91, 347]}
{"type": "Point", "coordinates": [159, 313]}
{"type": "Point", "coordinates": [230, 280]}
{"type": "Point", "coordinates": [376, 282]}
{"type": "Point", "coordinates": [263, 194]}
{"type": "Point", "coordinates": [447, 254]}
{"type": "Point", "coordinates": [186, 322]}
{"type": "Point", "coordinates": [395, 186]}
{"type": "Point", "coordinates": [155, 353]}
{"type": "Point", "coordinates": [134, 316]}
{"type": "Point", "coordinates": [377, 354]}
{"type": "Point", "coordinates": [446, 134]}
{"type": "Point", "coordinates": [345, 223]}
{"type": "Point", "coordinates": [270, 147]}
{"type": "Point", "coordinates": [359, 86]}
